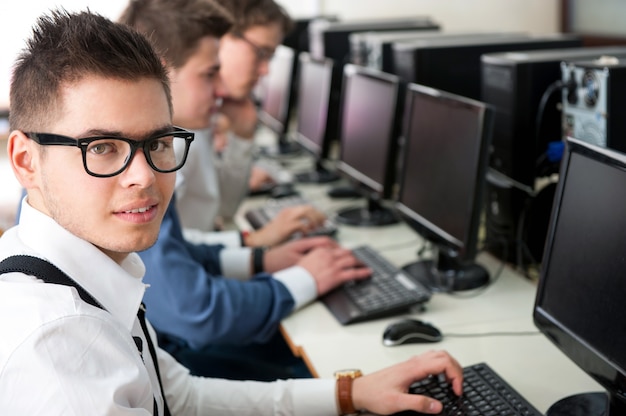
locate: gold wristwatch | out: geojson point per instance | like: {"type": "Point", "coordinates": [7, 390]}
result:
{"type": "Point", "coordinates": [344, 390]}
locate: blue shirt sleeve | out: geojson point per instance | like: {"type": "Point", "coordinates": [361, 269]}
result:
{"type": "Point", "coordinates": [188, 299]}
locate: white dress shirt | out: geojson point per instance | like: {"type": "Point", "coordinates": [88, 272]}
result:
{"type": "Point", "coordinates": [60, 355]}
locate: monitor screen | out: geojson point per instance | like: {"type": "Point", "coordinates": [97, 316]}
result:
{"type": "Point", "coordinates": [368, 125]}
{"type": "Point", "coordinates": [317, 112]}
{"type": "Point", "coordinates": [276, 90]}
{"type": "Point", "coordinates": [443, 171]}
{"type": "Point", "coordinates": [314, 89]}
{"type": "Point", "coordinates": [580, 298]}
{"type": "Point", "coordinates": [368, 135]}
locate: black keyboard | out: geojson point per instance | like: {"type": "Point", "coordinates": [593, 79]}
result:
{"type": "Point", "coordinates": [389, 291]}
{"type": "Point", "coordinates": [485, 393]}
{"type": "Point", "coordinates": [258, 217]}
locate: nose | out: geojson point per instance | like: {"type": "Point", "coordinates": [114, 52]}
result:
{"type": "Point", "coordinates": [138, 172]}
{"type": "Point", "coordinates": [219, 87]}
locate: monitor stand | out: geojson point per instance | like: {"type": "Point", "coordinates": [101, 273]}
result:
{"type": "Point", "coordinates": [287, 147]}
{"type": "Point", "coordinates": [319, 175]}
{"type": "Point", "coordinates": [371, 216]}
{"type": "Point", "coordinates": [447, 274]}
{"type": "Point", "coordinates": [588, 404]}
{"type": "Point", "coordinates": [284, 147]}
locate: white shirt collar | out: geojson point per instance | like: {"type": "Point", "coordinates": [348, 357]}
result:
{"type": "Point", "coordinates": [119, 288]}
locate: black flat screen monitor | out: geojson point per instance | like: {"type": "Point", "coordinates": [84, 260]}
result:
{"type": "Point", "coordinates": [370, 123]}
{"type": "Point", "coordinates": [581, 292]}
{"type": "Point", "coordinates": [442, 180]}
{"type": "Point", "coordinates": [317, 113]}
{"type": "Point", "coordinates": [276, 94]}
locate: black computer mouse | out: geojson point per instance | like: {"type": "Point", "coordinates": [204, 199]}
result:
{"type": "Point", "coordinates": [409, 331]}
{"type": "Point", "coordinates": [283, 190]}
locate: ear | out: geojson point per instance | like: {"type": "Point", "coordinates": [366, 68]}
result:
{"type": "Point", "coordinates": [24, 158]}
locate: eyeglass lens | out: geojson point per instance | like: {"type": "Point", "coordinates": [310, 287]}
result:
{"type": "Point", "coordinates": [109, 155]}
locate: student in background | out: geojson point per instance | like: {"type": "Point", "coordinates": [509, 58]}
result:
{"type": "Point", "coordinates": [215, 179]}
{"type": "Point", "coordinates": [64, 351]}
{"type": "Point", "coordinates": [216, 325]}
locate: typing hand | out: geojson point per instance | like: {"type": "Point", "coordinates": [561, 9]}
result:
{"type": "Point", "coordinates": [332, 266]}
{"type": "Point", "coordinates": [291, 253]}
{"type": "Point", "coordinates": [290, 220]}
{"type": "Point", "coordinates": [259, 177]}
{"type": "Point", "coordinates": [386, 391]}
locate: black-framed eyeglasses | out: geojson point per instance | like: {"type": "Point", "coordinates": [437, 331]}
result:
{"type": "Point", "coordinates": [262, 53]}
{"type": "Point", "coordinates": [105, 156]}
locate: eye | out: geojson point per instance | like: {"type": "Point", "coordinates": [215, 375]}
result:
{"type": "Point", "coordinates": [161, 144]}
{"type": "Point", "coordinates": [103, 147]}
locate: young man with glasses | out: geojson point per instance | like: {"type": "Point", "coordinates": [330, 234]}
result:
{"type": "Point", "coordinates": [81, 346]}
{"type": "Point", "coordinates": [217, 309]}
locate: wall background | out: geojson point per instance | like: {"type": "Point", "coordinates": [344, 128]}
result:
{"type": "Point", "coordinates": [535, 16]}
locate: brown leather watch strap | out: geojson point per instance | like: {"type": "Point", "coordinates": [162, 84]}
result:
{"type": "Point", "coordinates": [344, 395]}
{"type": "Point", "coordinates": [344, 391]}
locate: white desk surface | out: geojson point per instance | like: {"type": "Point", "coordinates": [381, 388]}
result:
{"type": "Point", "coordinates": [530, 363]}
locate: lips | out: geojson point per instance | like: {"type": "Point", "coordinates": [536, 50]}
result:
{"type": "Point", "coordinates": [138, 210]}
{"type": "Point", "coordinates": [140, 215]}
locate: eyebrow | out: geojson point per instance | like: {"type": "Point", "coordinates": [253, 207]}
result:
{"type": "Point", "coordinates": [117, 133]}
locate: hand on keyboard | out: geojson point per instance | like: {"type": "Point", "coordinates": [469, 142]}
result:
{"type": "Point", "coordinates": [291, 253]}
{"type": "Point", "coordinates": [259, 178]}
{"type": "Point", "coordinates": [386, 391]}
{"type": "Point", "coordinates": [300, 219]}
{"type": "Point", "coordinates": [332, 266]}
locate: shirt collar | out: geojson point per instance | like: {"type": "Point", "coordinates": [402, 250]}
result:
{"type": "Point", "coordinates": [118, 287]}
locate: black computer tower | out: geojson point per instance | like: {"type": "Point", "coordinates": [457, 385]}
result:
{"type": "Point", "coordinates": [374, 49]}
{"type": "Point", "coordinates": [525, 90]}
{"type": "Point", "coordinates": [298, 37]}
{"type": "Point", "coordinates": [454, 65]}
{"type": "Point", "coordinates": [330, 39]}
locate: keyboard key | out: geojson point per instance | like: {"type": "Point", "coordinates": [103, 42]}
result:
{"type": "Point", "coordinates": [485, 393]}
{"type": "Point", "coordinates": [387, 292]}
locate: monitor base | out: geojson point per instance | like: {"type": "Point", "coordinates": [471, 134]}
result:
{"type": "Point", "coordinates": [282, 148]}
{"type": "Point", "coordinates": [585, 404]}
{"type": "Point", "coordinates": [466, 277]}
{"type": "Point", "coordinates": [363, 217]}
{"type": "Point", "coordinates": [344, 192]}
{"type": "Point", "coordinates": [317, 176]}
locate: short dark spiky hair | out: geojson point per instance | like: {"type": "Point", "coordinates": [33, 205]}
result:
{"type": "Point", "coordinates": [175, 27]}
{"type": "Point", "coordinates": [66, 47]}
{"type": "Point", "coordinates": [248, 13]}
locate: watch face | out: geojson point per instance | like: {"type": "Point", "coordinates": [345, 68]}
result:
{"type": "Point", "coordinates": [352, 373]}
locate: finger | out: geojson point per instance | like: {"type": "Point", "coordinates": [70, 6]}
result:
{"type": "Point", "coordinates": [421, 404]}
{"type": "Point", "coordinates": [358, 273]}
{"type": "Point", "coordinates": [314, 216]}
{"type": "Point", "coordinates": [318, 242]}
{"type": "Point", "coordinates": [437, 362]}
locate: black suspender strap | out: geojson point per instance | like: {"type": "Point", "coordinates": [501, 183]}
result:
{"type": "Point", "coordinates": [49, 273]}
{"type": "Point", "coordinates": [141, 314]}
